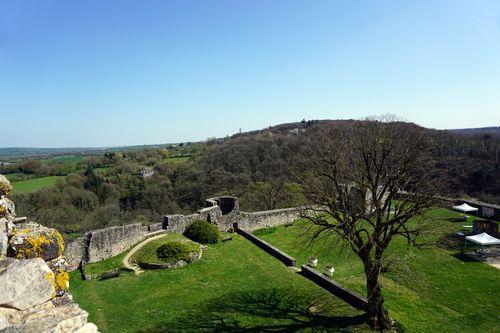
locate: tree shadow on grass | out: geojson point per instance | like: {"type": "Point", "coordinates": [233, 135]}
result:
{"type": "Point", "coordinates": [267, 310]}
{"type": "Point", "coordinates": [456, 219]}
{"type": "Point", "coordinates": [450, 241]}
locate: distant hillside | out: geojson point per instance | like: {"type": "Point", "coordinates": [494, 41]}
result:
{"type": "Point", "coordinates": [7, 154]}
{"type": "Point", "coordinates": [479, 130]}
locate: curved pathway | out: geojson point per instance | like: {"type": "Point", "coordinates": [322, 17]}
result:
{"type": "Point", "coordinates": [151, 237]}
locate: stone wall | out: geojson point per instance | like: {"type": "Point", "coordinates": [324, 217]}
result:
{"type": "Point", "coordinates": [109, 242]}
{"type": "Point", "coordinates": [213, 214]}
{"type": "Point", "coordinates": [348, 296]}
{"type": "Point", "coordinates": [250, 221]}
{"type": "Point", "coordinates": [225, 217]}
{"type": "Point", "coordinates": [102, 244]}
{"type": "Point", "coordinates": [74, 251]}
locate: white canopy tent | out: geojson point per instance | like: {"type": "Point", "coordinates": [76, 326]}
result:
{"type": "Point", "coordinates": [481, 239]}
{"type": "Point", "coordinates": [465, 208]}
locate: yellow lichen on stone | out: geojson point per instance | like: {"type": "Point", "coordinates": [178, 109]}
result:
{"type": "Point", "coordinates": [60, 240]}
{"type": "Point", "coordinates": [51, 279]}
{"type": "Point", "coordinates": [36, 241]}
{"type": "Point", "coordinates": [62, 280]}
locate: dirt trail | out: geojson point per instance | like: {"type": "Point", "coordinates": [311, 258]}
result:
{"type": "Point", "coordinates": [130, 265]}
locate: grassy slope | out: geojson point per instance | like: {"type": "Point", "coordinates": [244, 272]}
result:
{"type": "Point", "coordinates": [233, 286]}
{"type": "Point", "coordinates": [147, 253]}
{"type": "Point", "coordinates": [429, 290]}
{"type": "Point", "coordinates": [32, 185]}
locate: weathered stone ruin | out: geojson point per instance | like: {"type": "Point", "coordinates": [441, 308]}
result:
{"type": "Point", "coordinates": [33, 277]}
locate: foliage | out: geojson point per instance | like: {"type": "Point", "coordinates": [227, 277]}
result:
{"type": "Point", "coordinates": [264, 231]}
{"type": "Point", "coordinates": [203, 232]}
{"type": "Point", "coordinates": [261, 168]}
{"type": "Point", "coordinates": [172, 252]}
{"type": "Point", "coordinates": [148, 252]}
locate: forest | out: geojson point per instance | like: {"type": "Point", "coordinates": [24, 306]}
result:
{"type": "Point", "coordinates": [259, 167]}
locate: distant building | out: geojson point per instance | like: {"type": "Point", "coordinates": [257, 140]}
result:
{"type": "Point", "coordinates": [145, 173]}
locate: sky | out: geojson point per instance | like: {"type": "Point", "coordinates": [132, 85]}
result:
{"type": "Point", "coordinates": [99, 73]}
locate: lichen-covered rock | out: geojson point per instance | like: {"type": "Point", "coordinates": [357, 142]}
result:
{"type": "Point", "coordinates": [5, 187]}
{"type": "Point", "coordinates": [35, 241]}
{"type": "Point", "coordinates": [59, 266]}
{"type": "Point", "coordinates": [25, 283]}
{"type": "Point", "coordinates": [3, 237]}
{"type": "Point", "coordinates": [47, 318]}
{"type": "Point", "coordinates": [7, 209]}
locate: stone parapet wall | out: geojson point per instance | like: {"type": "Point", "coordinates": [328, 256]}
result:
{"type": "Point", "coordinates": [250, 221]}
{"type": "Point", "coordinates": [246, 220]}
{"type": "Point", "coordinates": [348, 296]}
{"type": "Point", "coordinates": [74, 251]}
{"type": "Point", "coordinates": [155, 227]}
{"type": "Point", "coordinates": [109, 242]}
{"type": "Point", "coordinates": [102, 244]}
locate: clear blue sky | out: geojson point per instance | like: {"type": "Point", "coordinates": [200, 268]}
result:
{"type": "Point", "coordinates": [101, 73]}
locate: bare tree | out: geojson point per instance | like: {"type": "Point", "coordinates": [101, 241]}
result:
{"type": "Point", "coordinates": [369, 184]}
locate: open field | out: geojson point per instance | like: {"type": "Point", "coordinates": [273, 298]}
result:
{"type": "Point", "coordinates": [180, 159]}
{"type": "Point", "coordinates": [428, 290]}
{"type": "Point", "coordinates": [32, 185]}
{"type": "Point", "coordinates": [73, 159]}
{"type": "Point", "coordinates": [234, 286]}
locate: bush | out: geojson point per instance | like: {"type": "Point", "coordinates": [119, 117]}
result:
{"type": "Point", "coordinates": [264, 231]}
{"type": "Point", "coordinates": [173, 251]}
{"type": "Point", "coordinates": [203, 232]}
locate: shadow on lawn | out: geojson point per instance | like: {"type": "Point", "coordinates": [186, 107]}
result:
{"type": "Point", "coordinates": [456, 219]}
{"type": "Point", "coordinates": [268, 310]}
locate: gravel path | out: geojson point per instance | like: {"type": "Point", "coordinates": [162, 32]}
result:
{"type": "Point", "coordinates": [126, 261]}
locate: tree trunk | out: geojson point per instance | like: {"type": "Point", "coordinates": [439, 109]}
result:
{"type": "Point", "coordinates": [379, 316]}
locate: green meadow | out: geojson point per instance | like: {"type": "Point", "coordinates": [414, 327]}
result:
{"type": "Point", "coordinates": [32, 185]}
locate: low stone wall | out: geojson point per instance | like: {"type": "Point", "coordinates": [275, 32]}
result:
{"type": "Point", "coordinates": [251, 221]}
{"type": "Point", "coordinates": [102, 244]}
{"type": "Point", "coordinates": [334, 288]}
{"type": "Point", "coordinates": [109, 242]}
{"type": "Point", "coordinates": [74, 251]}
{"type": "Point", "coordinates": [179, 223]}
{"type": "Point", "coordinates": [155, 227]}
{"type": "Point", "coordinates": [274, 251]}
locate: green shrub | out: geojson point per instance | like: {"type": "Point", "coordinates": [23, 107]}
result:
{"type": "Point", "coordinates": [173, 251]}
{"type": "Point", "coordinates": [203, 232]}
{"type": "Point", "coordinates": [264, 231]}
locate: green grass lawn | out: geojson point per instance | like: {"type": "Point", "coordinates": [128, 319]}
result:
{"type": "Point", "coordinates": [73, 159]}
{"type": "Point", "coordinates": [32, 185]}
{"type": "Point", "coordinates": [233, 287]}
{"type": "Point", "coordinates": [428, 290]}
{"type": "Point", "coordinates": [147, 253]}
{"type": "Point", "coordinates": [180, 159]}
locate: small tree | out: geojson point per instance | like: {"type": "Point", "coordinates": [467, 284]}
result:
{"type": "Point", "coordinates": [366, 184]}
